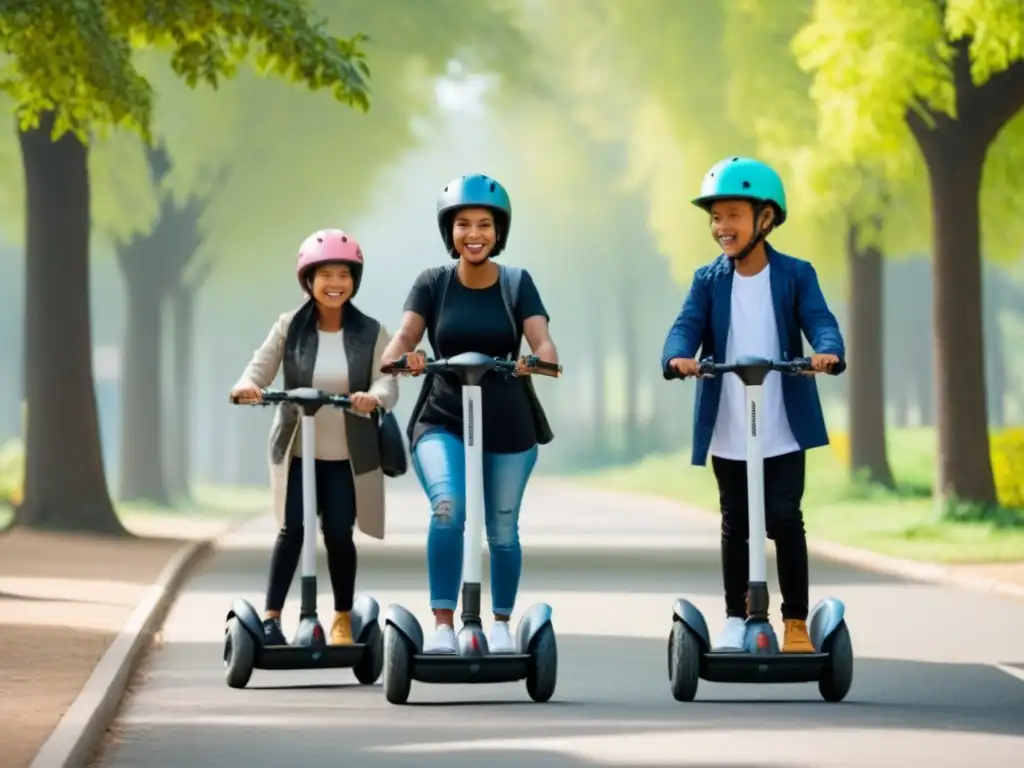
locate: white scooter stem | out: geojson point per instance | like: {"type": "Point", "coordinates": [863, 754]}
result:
{"type": "Point", "coordinates": [472, 439]}
{"type": "Point", "coordinates": [755, 488]}
{"type": "Point", "coordinates": [308, 496]}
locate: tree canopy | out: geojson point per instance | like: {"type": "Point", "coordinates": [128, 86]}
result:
{"type": "Point", "coordinates": [75, 57]}
{"type": "Point", "coordinates": [280, 154]}
{"type": "Point", "coordinates": [874, 65]}
{"type": "Point", "coordinates": [70, 70]}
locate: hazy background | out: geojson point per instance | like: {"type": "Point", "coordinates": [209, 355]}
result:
{"type": "Point", "coordinates": [600, 161]}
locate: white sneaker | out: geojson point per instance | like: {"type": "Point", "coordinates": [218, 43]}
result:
{"type": "Point", "coordinates": [500, 640]}
{"type": "Point", "coordinates": [443, 641]}
{"type": "Point", "coordinates": [732, 635]}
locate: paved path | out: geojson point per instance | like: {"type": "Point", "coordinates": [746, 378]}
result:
{"type": "Point", "coordinates": [927, 689]}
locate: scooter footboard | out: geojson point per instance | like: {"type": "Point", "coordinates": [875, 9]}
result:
{"type": "Point", "coordinates": [405, 622]}
{"type": "Point", "coordinates": [690, 615]}
{"type": "Point", "coordinates": [825, 617]}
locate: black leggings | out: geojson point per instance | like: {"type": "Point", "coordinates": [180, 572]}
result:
{"type": "Point", "coordinates": [783, 492]}
{"type": "Point", "coordinates": [336, 497]}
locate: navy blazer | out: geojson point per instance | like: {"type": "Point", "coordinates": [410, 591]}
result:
{"type": "Point", "coordinates": [703, 324]}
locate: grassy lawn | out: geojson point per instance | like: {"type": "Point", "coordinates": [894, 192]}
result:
{"type": "Point", "coordinates": [905, 523]}
{"type": "Point", "coordinates": [220, 501]}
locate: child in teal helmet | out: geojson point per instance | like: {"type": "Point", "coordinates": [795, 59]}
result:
{"type": "Point", "coordinates": [469, 306]}
{"type": "Point", "coordinates": [754, 300]}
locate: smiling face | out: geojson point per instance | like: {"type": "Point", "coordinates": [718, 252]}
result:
{"type": "Point", "coordinates": [732, 224]}
{"type": "Point", "coordinates": [474, 234]}
{"type": "Point", "coordinates": [332, 285]}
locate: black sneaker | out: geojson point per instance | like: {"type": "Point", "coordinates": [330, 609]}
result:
{"type": "Point", "coordinates": [272, 634]}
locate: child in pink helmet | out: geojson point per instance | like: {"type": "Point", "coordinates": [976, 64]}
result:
{"type": "Point", "coordinates": [329, 344]}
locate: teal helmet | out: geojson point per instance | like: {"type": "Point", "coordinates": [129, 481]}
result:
{"type": "Point", "coordinates": [474, 191]}
{"type": "Point", "coordinates": [740, 178]}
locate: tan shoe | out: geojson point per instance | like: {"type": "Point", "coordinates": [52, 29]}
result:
{"type": "Point", "coordinates": [341, 629]}
{"type": "Point", "coordinates": [796, 638]}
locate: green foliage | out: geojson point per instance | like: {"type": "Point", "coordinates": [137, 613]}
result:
{"type": "Point", "coordinates": [648, 76]}
{"type": "Point", "coordinates": [873, 63]}
{"type": "Point", "coordinates": [74, 57]}
{"type": "Point", "coordinates": [275, 161]}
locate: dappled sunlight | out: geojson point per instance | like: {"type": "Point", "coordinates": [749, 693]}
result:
{"type": "Point", "coordinates": [90, 604]}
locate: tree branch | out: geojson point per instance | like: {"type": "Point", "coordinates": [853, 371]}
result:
{"type": "Point", "coordinates": [198, 277]}
{"type": "Point", "coordinates": [159, 160]}
{"type": "Point", "coordinates": [981, 111]}
{"type": "Point", "coordinates": [999, 99]}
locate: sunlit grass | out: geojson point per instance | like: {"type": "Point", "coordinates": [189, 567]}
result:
{"type": "Point", "coordinates": [904, 523]}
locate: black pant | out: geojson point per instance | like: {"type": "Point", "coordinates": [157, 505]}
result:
{"type": "Point", "coordinates": [336, 498]}
{"type": "Point", "coordinates": [783, 492]}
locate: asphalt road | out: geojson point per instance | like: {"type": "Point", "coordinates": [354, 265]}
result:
{"type": "Point", "coordinates": [928, 690]}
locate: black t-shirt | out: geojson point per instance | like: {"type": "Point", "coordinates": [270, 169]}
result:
{"type": "Point", "coordinates": [475, 320]}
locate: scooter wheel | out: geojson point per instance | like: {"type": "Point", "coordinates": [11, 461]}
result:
{"type": "Point", "coordinates": [398, 653]}
{"type": "Point", "coordinates": [239, 654]}
{"type": "Point", "coordinates": [683, 662]}
{"type": "Point", "coordinates": [368, 670]}
{"type": "Point", "coordinates": [542, 668]}
{"type": "Point", "coordinates": [837, 673]}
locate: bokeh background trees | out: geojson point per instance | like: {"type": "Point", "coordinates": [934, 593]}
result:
{"type": "Point", "coordinates": [149, 219]}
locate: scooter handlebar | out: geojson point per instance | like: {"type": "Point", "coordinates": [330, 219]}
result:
{"type": "Point", "coordinates": [305, 397]}
{"type": "Point", "coordinates": [801, 365]}
{"type": "Point", "coordinates": [502, 365]}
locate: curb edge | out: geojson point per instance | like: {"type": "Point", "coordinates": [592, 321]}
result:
{"type": "Point", "coordinates": [78, 735]}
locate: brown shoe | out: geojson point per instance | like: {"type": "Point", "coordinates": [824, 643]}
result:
{"type": "Point", "coordinates": [341, 629]}
{"type": "Point", "coordinates": [796, 639]}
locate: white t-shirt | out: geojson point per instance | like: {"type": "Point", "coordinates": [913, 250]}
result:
{"type": "Point", "coordinates": [330, 374]}
{"type": "Point", "coordinates": [752, 331]}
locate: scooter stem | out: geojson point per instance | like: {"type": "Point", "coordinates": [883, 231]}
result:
{"type": "Point", "coordinates": [309, 504]}
{"type": "Point", "coordinates": [472, 550]}
{"type": "Point", "coordinates": [757, 595]}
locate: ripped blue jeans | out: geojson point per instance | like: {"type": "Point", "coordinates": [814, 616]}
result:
{"type": "Point", "coordinates": [439, 461]}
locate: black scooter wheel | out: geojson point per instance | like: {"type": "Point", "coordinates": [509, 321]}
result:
{"type": "Point", "coordinates": [837, 673]}
{"type": "Point", "coordinates": [239, 654]}
{"type": "Point", "coordinates": [542, 668]}
{"type": "Point", "coordinates": [684, 652]}
{"type": "Point", "coordinates": [398, 653]}
{"type": "Point", "coordinates": [368, 670]}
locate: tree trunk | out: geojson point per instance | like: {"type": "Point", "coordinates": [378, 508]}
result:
{"type": "Point", "coordinates": [142, 448]}
{"type": "Point", "coordinates": [599, 422]}
{"type": "Point", "coordinates": [922, 380]}
{"type": "Point", "coordinates": [964, 468]}
{"type": "Point", "coordinates": [867, 374]}
{"type": "Point", "coordinates": [65, 486]}
{"type": "Point", "coordinates": [954, 152]}
{"type": "Point", "coordinates": [632, 347]}
{"type": "Point", "coordinates": [964, 465]}
{"type": "Point", "coordinates": [182, 312]}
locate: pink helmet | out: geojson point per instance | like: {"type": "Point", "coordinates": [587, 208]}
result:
{"type": "Point", "coordinates": [329, 246]}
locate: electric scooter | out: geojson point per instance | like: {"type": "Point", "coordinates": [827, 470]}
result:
{"type": "Point", "coordinates": [690, 656]}
{"type": "Point", "coordinates": [536, 656]}
{"type": "Point", "coordinates": [244, 650]}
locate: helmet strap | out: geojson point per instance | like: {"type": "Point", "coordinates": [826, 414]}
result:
{"type": "Point", "coordinates": [759, 235]}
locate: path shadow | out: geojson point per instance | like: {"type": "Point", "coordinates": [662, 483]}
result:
{"type": "Point", "coordinates": [41, 599]}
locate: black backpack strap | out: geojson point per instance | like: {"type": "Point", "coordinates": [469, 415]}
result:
{"type": "Point", "coordinates": [442, 277]}
{"type": "Point", "coordinates": [510, 278]}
